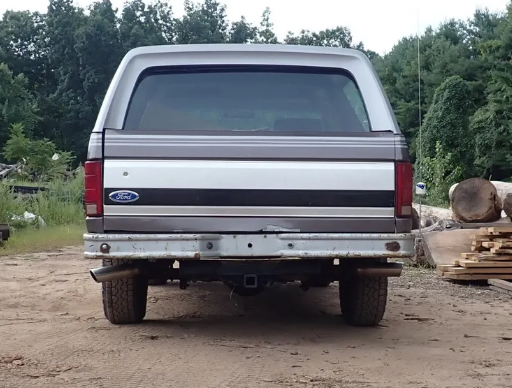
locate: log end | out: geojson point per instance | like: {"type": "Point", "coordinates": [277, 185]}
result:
{"type": "Point", "coordinates": [476, 200]}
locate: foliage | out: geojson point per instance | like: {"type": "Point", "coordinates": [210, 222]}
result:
{"type": "Point", "coordinates": [440, 172]}
{"type": "Point", "coordinates": [448, 150]}
{"type": "Point", "coordinates": [447, 123]}
{"type": "Point", "coordinates": [56, 67]}
{"type": "Point", "coordinates": [60, 204]}
{"type": "Point", "coordinates": [40, 159]}
{"type": "Point", "coordinates": [17, 104]}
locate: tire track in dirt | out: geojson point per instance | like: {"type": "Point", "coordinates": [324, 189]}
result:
{"type": "Point", "coordinates": [52, 318]}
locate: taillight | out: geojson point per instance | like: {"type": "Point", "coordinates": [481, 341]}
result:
{"type": "Point", "coordinates": [93, 189]}
{"type": "Point", "coordinates": [403, 203]}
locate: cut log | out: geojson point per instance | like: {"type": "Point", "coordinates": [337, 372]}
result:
{"type": "Point", "coordinates": [476, 200]}
{"type": "Point", "coordinates": [507, 205]}
{"type": "Point", "coordinates": [503, 189]}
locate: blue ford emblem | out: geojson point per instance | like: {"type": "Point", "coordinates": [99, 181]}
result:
{"type": "Point", "coordinates": [123, 196]}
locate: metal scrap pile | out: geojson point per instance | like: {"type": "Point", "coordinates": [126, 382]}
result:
{"type": "Point", "coordinates": [8, 169]}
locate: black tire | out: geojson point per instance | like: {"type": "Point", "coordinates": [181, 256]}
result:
{"type": "Point", "coordinates": [363, 300]}
{"type": "Point", "coordinates": [124, 300]}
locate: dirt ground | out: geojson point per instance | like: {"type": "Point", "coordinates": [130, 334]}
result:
{"type": "Point", "coordinates": [435, 334]}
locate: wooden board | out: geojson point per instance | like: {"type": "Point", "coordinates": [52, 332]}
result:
{"type": "Point", "coordinates": [476, 270]}
{"type": "Point", "coordinates": [500, 290]}
{"type": "Point", "coordinates": [455, 276]}
{"type": "Point", "coordinates": [445, 267]}
{"type": "Point", "coordinates": [484, 264]}
{"type": "Point", "coordinates": [445, 247]}
{"type": "Point", "coordinates": [497, 229]}
{"type": "Point", "coordinates": [482, 237]}
{"type": "Point", "coordinates": [496, 251]}
{"type": "Point", "coordinates": [481, 270]}
{"type": "Point", "coordinates": [503, 284]}
{"type": "Point", "coordinates": [485, 256]}
{"type": "Point", "coordinates": [468, 255]}
{"type": "Point", "coordinates": [482, 225]}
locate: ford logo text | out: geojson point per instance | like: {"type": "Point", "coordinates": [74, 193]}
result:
{"type": "Point", "coordinates": [123, 196]}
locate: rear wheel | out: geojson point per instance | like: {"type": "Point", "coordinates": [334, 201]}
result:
{"type": "Point", "coordinates": [124, 300]}
{"type": "Point", "coordinates": [363, 300]}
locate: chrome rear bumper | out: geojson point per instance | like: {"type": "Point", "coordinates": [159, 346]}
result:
{"type": "Point", "coordinates": [284, 246]}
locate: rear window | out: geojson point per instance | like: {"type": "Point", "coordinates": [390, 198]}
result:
{"type": "Point", "coordinates": [247, 99]}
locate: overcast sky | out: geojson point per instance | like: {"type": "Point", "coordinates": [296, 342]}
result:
{"type": "Point", "coordinates": [379, 24]}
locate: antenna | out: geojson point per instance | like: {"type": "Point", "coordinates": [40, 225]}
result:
{"type": "Point", "coordinates": [420, 186]}
{"type": "Point", "coordinates": [419, 87]}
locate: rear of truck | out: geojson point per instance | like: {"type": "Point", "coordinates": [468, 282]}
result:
{"type": "Point", "coordinates": [247, 164]}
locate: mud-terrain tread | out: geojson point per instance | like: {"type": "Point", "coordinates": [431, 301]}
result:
{"type": "Point", "coordinates": [124, 300]}
{"type": "Point", "coordinates": [363, 300]}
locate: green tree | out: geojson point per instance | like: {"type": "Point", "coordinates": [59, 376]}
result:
{"type": "Point", "coordinates": [22, 46]}
{"type": "Point", "coordinates": [145, 25]}
{"type": "Point", "coordinates": [59, 65]}
{"type": "Point", "coordinates": [17, 105]}
{"type": "Point", "coordinates": [242, 32]}
{"type": "Point", "coordinates": [336, 37]}
{"type": "Point", "coordinates": [40, 159]}
{"type": "Point", "coordinates": [99, 50]}
{"type": "Point", "coordinates": [446, 144]}
{"type": "Point", "coordinates": [202, 23]}
{"type": "Point", "coordinates": [266, 32]}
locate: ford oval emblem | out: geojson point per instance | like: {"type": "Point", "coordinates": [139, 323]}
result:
{"type": "Point", "coordinates": [123, 196]}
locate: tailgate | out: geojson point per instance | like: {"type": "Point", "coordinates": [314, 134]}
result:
{"type": "Point", "coordinates": [223, 193]}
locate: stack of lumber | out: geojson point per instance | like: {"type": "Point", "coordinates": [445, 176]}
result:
{"type": "Point", "coordinates": [490, 257]}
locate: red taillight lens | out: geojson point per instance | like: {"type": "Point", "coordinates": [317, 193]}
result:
{"type": "Point", "coordinates": [93, 189]}
{"type": "Point", "coordinates": [403, 204]}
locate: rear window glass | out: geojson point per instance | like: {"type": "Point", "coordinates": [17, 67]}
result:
{"type": "Point", "coordinates": [281, 100]}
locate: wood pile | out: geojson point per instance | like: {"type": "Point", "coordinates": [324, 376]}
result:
{"type": "Point", "coordinates": [490, 257]}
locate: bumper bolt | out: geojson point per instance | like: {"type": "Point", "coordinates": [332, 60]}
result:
{"type": "Point", "coordinates": [104, 248]}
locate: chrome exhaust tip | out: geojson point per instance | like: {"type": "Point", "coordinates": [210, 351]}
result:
{"type": "Point", "coordinates": [379, 272]}
{"type": "Point", "coordinates": [106, 274]}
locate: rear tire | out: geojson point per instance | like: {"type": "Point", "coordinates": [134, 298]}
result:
{"type": "Point", "coordinates": [363, 300]}
{"type": "Point", "coordinates": [124, 300]}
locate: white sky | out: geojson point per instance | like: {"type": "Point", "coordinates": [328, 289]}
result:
{"type": "Point", "coordinates": [379, 24]}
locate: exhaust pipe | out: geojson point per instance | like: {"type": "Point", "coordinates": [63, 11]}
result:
{"type": "Point", "coordinates": [379, 272]}
{"type": "Point", "coordinates": [106, 274]}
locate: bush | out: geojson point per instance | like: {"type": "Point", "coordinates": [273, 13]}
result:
{"type": "Point", "coordinates": [61, 204]}
{"type": "Point", "coordinates": [40, 159]}
{"type": "Point", "coordinates": [441, 172]}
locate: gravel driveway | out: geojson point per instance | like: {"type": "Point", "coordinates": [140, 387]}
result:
{"type": "Point", "coordinates": [435, 334]}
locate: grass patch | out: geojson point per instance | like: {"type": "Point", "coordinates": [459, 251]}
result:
{"type": "Point", "coordinates": [31, 240]}
{"type": "Point", "coordinates": [59, 215]}
{"type": "Point", "coordinates": [61, 204]}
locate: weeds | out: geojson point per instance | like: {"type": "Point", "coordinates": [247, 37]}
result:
{"type": "Point", "coordinates": [30, 240]}
{"type": "Point", "coordinates": [60, 207]}
{"type": "Point", "coordinates": [61, 204]}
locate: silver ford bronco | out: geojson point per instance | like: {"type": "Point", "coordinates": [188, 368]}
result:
{"type": "Point", "coordinates": [248, 165]}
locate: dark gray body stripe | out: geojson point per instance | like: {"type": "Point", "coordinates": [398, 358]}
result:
{"type": "Point", "coordinates": [245, 224]}
{"type": "Point", "coordinates": [241, 197]}
{"type": "Point", "coordinates": [374, 146]}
